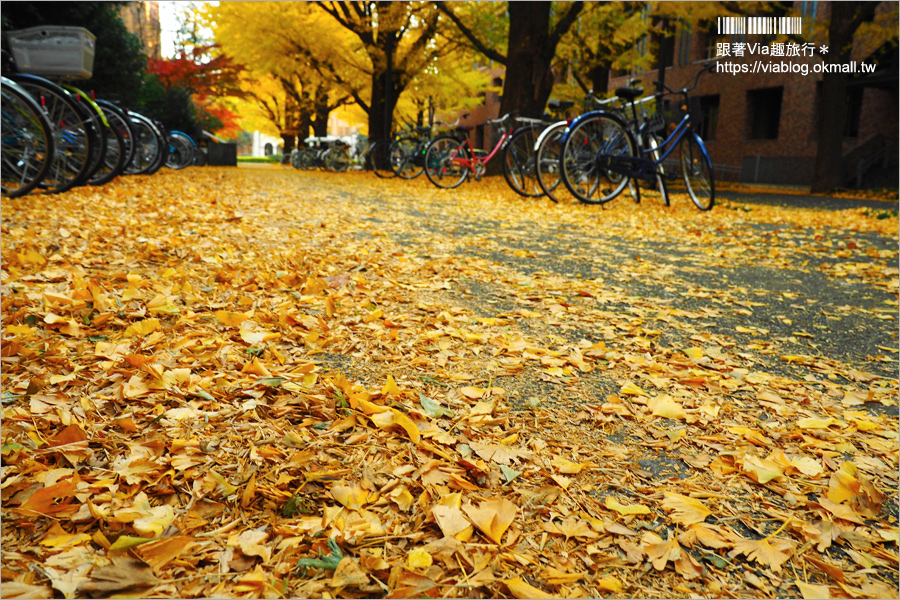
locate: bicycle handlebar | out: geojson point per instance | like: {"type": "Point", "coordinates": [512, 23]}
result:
{"type": "Point", "coordinates": [684, 91]}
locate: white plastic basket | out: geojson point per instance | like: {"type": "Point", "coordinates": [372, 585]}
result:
{"type": "Point", "coordinates": [53, 50]}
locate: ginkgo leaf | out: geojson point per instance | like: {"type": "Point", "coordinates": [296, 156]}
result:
{"type": "Point", "coordinates": [157, 519]}
{"type": "Point", "coordinates": [492, 517]}
{"type": "Point", "coordinates": [632, 509]}
{"type": "Point", "coordinates": [662, 552]}
{"type": "Point", "coordinates": [844, 484]}
{"type": "Point", "coordinates": [807, 465]}
{"type": "Point", "coordinates": [394, 417]}
{"type": "Point", "coordinates": [520, 589]}
{"type": "Point", "coordinates": [419, 559]}
{"type": "Point", "coordinates": [685, 510]}
{"type": "Point", "coordinates": [353, 498]}
{"type": "Point", "coordinates": [390, 387]}
{"type": "Point", "coordinates": [508, 473]}
{"type": "Point", "coordinates": [142, 328]}
{"type": "Point", "coordinates": [694, 353]}
{"type": "Point", "coordinates": [564, 465]}
{"type": "Point", "coordinates": [771, 555]}
{"type": "Point", "coordinates": [58, 538]}
{"type": "Point", "coordinates": [452, 522]}
{"type": "Point", "coordinates": [761, 470]}
{"type": "Point", "coordinates": [572, 528]}
{"type": "Point", "coordinates": [630, 389]}
{"type": "Point", "coordinates": [554, 576]}
{"type": "Point", "coordinates": [711, 536]}
{"type": "Point", "coordinates": [810, 591]}
{"type": "Point", "coordinates": [401, 496]}
{"type": "Point", "coordinates": [609, 583]}
{"type": "Point", "coordinates": [126, 542]}
{"type": "Point", "coordinates": [231, 319]}
{"type": "Point", "coordinates": [817, 423]}
{"type": "Point", "coordinates": [432, 408]}
{"type": "Point", "coordinates": [665, 406]}
{"type": "Point", "coordinates": [472, 392]}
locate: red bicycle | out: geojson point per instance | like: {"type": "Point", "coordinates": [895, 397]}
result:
{"type": "Point", "coordinates": [450, 159]}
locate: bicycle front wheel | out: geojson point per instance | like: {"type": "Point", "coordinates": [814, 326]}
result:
{"type": "Point", "coordinates": [378, 159]}
{"type": "Point", "coordinates": [519, 163]}
{"type": "Point", "coordinates": [75, 137]}
{"type": "Point", "coordinates": [697, 170]}
{"type": "Point", "coordinates": [446, 162]}
{"type": "Point", "coordinates": [404, 160]}
{"type": "Point", "coordinates": [337, 160]}
{"type": "Point", "coordinates": [27, 141]}
{"type": "Point", "coordinates": [547, 162]}
{"type": "Point", "coordinates": [595, 142]}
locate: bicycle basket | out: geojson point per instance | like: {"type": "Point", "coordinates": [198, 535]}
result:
{"type": "Point", "coordinates": [53, 50]}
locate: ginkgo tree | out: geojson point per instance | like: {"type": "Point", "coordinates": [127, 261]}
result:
{"type": "Point", "coordinates": [303, 80]}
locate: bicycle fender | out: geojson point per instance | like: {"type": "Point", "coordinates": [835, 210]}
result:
{"type": "Point", "coordinates": [547, 131]}
{"type": "Point", "coordinates": [592, 114]}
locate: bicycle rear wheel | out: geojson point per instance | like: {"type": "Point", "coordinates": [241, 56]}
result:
{"type": "Point", "coordinates": [75, 137]}
{"type": "Point", "coordinates": [99, 125]}
{"type": "Point", "coordinates": [443, 162]}
{"type": "Point", "coordinates": [697, 169]}
{"type": "Point", "coordinates": [181, 150]}
{"type": "Point", "coordinates": [378, 159]}
{"type": "Point", "coordinates": [519, 163]}
{"type": "Point", "coordinates": [119, 145]}
{"type": "Point", "coordinates": [593, 142]}
{"type": "Point", "coordinates": [163, 154]}
{"type": "Point", "coordinates": [27, 141]}
{"type": "Point", "coordinates": [147, 141]}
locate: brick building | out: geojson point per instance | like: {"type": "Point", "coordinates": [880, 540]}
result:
{"type": "Point", "coordinates": [762, 127]}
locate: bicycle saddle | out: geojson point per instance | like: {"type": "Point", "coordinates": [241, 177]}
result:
{"type": "Point", "coordinates": [560, 104]}
{"type": "Point", "coordinates": [629, 93]}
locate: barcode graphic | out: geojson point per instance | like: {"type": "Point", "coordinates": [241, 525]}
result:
{"type": "Point", "coordinates": [760, 25]}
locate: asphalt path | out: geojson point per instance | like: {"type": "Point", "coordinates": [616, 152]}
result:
{"type": "Point", "coordinates": [807, 201]}
{"type": "Point", "coordinates": [830, 313]}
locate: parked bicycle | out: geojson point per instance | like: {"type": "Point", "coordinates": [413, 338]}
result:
{"type": "Point", "coordinates": [450, 159]}
{"type": "Point", "coordinates": [407, 152]}
{"type": "Point", "coordinates": [329, 153]}
{"type": "Point", "coordinates": [600, 156]}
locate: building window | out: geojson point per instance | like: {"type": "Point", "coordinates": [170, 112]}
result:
{"type": "Point", "coordinates": [268, 149]}
{"type": "Point", "coordinates": [709, 116]}
{"type": "Point", "coordinates": [765, 112]}
{"type": "Point", "coordinates": [854, 109]}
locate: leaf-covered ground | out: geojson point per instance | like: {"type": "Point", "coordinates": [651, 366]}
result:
{"type": "Point", "coordinates": [263, 383]}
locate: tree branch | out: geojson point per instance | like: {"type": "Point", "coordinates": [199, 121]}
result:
{"type": "Point", "coordinates": [564, 24]}
{"type": "Point", "coordinates": [479, 45]}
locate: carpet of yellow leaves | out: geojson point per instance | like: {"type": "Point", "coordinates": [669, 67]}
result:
{"type": "Point", "coordinates": [261, 384]}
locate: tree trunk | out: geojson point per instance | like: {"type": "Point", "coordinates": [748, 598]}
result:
{"type": "Point", "coordinates": [288, 142]}
{"type": "Point", "coordinates": [846, 18]}
{"type": "Point", "coordinates": [529, 78]}
{"type": "Point", "coordinates": [384, 93]}
{"type": "Point", "coordinates": [322, 110]}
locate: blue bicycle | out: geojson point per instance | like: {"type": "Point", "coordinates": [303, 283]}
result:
{"type": "Point", "coordinates": [602, 153]}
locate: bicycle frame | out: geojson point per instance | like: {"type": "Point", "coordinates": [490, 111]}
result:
{"type": "Point", "coordinates": [479, 161]}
